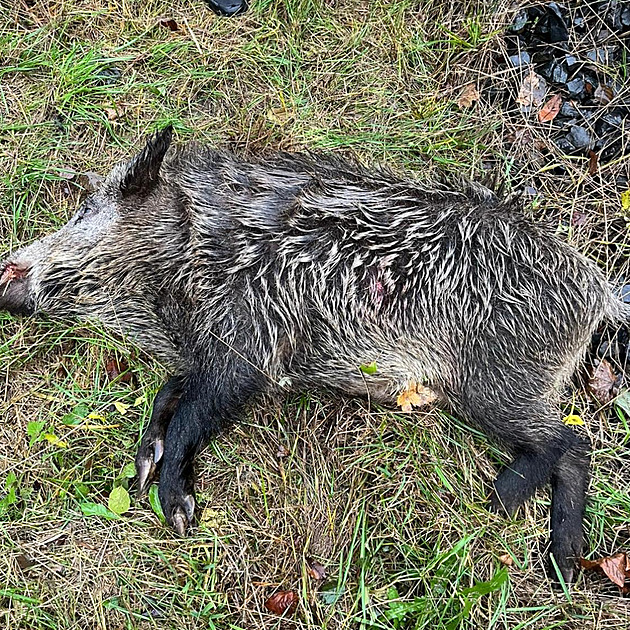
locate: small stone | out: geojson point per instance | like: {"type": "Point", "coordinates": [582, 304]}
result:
{"type": "Point", "coordinates": [568, 110]}
{"type": "Point", "coordinates": [598, 56]}
{"type": "Point", "coordinates": [579, 137]}
{"type": "Point", "coordinates": [520, 60]}
{"type": "Point", "coordinates": [559, 74]}
{"type": "Point", "coordinates": [520, 21]}
{"type": "Point", "coordinates": [575, 86]}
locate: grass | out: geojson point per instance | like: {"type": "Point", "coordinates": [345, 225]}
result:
{"type": "Point", "coordinates": [393, 505]}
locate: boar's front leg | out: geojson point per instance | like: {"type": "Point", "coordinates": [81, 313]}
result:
{"type": "Point", "coordinates": [211, 400]}
{"type": "Point", "coordinates": [151, 446]}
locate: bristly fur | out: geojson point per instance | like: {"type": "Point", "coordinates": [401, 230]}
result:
{"type": "Point", "coordinates": [294, 270]}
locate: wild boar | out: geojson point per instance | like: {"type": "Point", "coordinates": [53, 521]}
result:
{"type": "Point", "coordinates": [292, 271]}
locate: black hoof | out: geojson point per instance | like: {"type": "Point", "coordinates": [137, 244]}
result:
{"type": "Point", "coordinates": [148, 456]}
{"type": "Point", "coordinates": [178, 506]}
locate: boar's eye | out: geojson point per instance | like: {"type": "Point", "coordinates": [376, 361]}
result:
{"type": "Point", "coordinates": [86, 210]}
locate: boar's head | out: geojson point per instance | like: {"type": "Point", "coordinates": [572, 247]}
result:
{"type": "Point", "coordinates": [98, 266]}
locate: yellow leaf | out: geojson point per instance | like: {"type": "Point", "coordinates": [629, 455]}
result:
{"type": "Point", "coordinates": [573, 420]}
{"type": "Point", "coordinates": [95, 416]}
{"type": "Point", "coordinates": [625, 200]}
{"type": "Point", "coordinates": [139, 401]}
{"type": "Point", "coordinates": [213, 519]}
{"type": "Point", "coordinates": [416, 395]}
{"type": "Point", "coordinates": [121, 408]}
{"type": "Point", "coordinates": [55, 441]}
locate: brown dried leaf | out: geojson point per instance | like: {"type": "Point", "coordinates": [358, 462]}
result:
{"type": "Point", "coordinates": [469, 95]}
{"type": "Point", "coordinates": [506, 559]}
{"type": "Point", "coordinates": [593, 162]}
{"type": "Point", "coordinates": [603, 94]}
{"type": "Point", "coordinates": [112, 113]}
{"type": "Point", "coordinates": [118, 369]}
{"type": "Point", "coordinates": [282, 602]}
{"type": "Point", "coordinates": [603, 382]}
{"type": "Point", "coordinates": [315, 570]}
{"type": "Point", "coordinates": [24, 562]}
{"type": "Point", "coordinates": [416, 395]}
{"type": "Point", "coordinates": [616, 568]}
{"type": "Point", "coordinates": [532, 91]}
{"type": "Point", "coordinates": [550, 109]}
{"type": "Point", "coordinates": [170, 24]}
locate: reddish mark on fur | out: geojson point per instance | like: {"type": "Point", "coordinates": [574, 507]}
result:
{"type": "Point", "coordinates": [12, 272]}
{"type": "Point", "coordinates": [377, 291]}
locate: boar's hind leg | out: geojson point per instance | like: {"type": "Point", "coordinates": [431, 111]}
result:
{"type": "Point", "coordinates": [569, 484]}
{"type": "Point", "coordinates": [546, 450]}
{"type": "Point", "coordinates": [151, 446]}
{"type": "Point", "coordinates": [209, 403]}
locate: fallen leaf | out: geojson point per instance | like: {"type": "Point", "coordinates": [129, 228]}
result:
{"type": "Point", "coordinates": [416, 395]}
{"type": "Point", "coordinates": [111, 112]}
{"type": "Point", "coordinates": [616, 568]}
{"type": "Point", "coordinates": [51, 438]}
{"type": "Point", "coordinates": [282, 451]}
{"type": "Point", "coordinates": [573, 420]}
{"type": "Point", "coordinates": [468, 96]}
{"type": "Point", "coordinates": [593, 162]}
{"type": "Point", "coordinates": [315, 570]}
{"type": "Point", "coordinates": [280, 115]}
{"type": "Point", "coordinates": [550, 109]}
{"type": "Point", "coordinates": [623, 402]}
{"type": "Point", "coordinates": [119, 501]}
{"type": "Point", "coordinates": [369, 368]}
{"type": "Point", "coordinates": [532, 91]}
{"type": "Point", "coordinates": [603, 94]}
{"type": "Point", "coordinates": [282, 602]}
{"type": "Point", "coordinates": [506, 559]}
{"type": "Point", "coordinates": [95, 509]}
{"type": "Point", "coordinates": [212, 519]}
{"type": "Point", "coordinates": [24, 562]}
{"type": "Point", "coordinates": [625, 200]}
{"type": "Point", "coordinates": [121, 408]}
{"type": "Point", "coordinates": [331, 593]}
{"type": "Point", "coordinates": [603, 382]}
{"type": "Point", "coordinates": [118, 369]}
{"type": "Point", "coordinates": [170, 24]}
{"type": "Point", "coordinates": [578, 218]}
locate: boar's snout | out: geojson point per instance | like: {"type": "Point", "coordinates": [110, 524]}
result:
{"type": "Point", "coordinates": [14, 288]}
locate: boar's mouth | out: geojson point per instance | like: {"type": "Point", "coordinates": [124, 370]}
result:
{"type": "Point", "coordinates": [14, 290]}
{"type": "Point", "coordinates": [12, 271]}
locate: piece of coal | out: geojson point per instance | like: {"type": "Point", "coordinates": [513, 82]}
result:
{"type": "Point", "coordinates": [579, 137]}
{"type": "Point", "coordinates": [598, 56]}
{"type": "Point", "coordinates": [576, 86]}
{"type": "Point", "coordinates": [522, 59]}
{"type": "Point", "coordinates": [521, 19]}
{"type": "Point", "coordinates": [557, 28]}
{"type": "Point", "coordinates": [568, 110]}
{"type": "Point", "coordinates": [559, 74]}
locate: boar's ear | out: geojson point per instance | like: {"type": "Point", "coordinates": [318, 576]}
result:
{"type": "Point", "coordinates": [142, 172]}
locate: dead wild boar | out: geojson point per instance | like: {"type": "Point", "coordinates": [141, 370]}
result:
{"type": "Point", "coordinates": [292, 271]}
